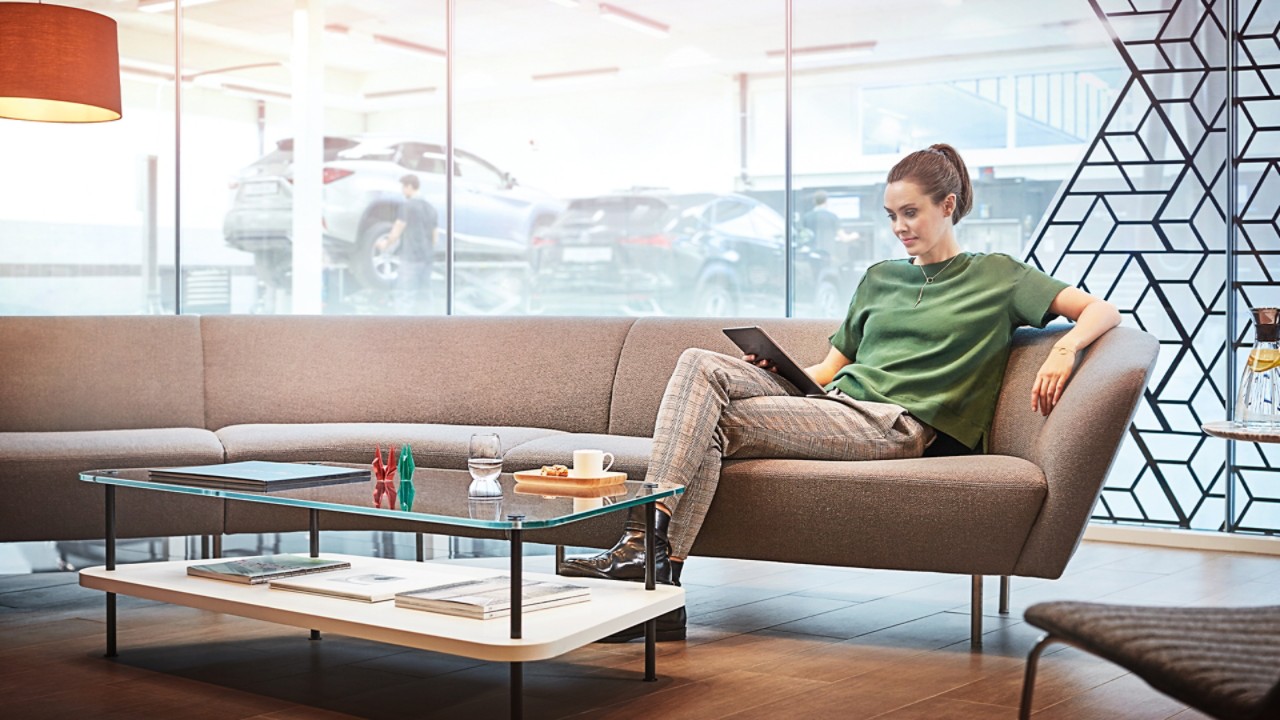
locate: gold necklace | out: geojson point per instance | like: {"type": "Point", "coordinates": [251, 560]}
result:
{"type": "Point", "coordinates": [929, 280]}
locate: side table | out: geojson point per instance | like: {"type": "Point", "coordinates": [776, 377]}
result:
{"type": "Point", "coordinates": [1229, 430]}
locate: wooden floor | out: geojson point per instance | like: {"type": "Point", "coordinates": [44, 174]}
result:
{"type": "Point", "coordinates": [766, 641]}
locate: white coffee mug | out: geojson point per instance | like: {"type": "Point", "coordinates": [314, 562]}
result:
{"type": "Point", "coordinates": [590, 463]}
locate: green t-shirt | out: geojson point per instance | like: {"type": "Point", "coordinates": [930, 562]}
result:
{"type": "Point", "coordinates": [944, 359]}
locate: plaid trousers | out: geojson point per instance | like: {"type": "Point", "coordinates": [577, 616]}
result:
{"type": "Point", "coordinates": [716, 406]}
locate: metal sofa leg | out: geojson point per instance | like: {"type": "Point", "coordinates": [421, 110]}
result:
{"type": "Point", "coordinates": [1029, 678]}
{"type": "Point", "coordinates": [975, 613]}
{"type": "Point", "coordinates": [559, 557]}
{"type": "Point", "coordinates": [1004, 594]}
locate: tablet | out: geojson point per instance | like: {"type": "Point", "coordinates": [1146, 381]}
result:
{"type": "Point", "coordinates": [755, 341]}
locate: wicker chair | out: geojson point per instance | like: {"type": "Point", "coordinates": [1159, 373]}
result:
{"type": "Point", "coordinates": [1224, 662]}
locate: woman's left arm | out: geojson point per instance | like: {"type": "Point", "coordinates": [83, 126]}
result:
{"type": "Point", "coordinates": [1093, 317]}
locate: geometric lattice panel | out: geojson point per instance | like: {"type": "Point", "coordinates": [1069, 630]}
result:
{"type": "Point", "coordinates": [1255, 468]}
{"type": "Point", "coordinates": [1143, 222]}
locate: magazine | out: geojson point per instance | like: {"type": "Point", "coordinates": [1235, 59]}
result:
{"type": "Point", "coordinates": [491, 597]}
{"type": "Point", "coordinates": [259, 475]}
{"type": "Point", "coordinates": [364, 584]}
{"type": "Point", "coordinates": [255, 570]}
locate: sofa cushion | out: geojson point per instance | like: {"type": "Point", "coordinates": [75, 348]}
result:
{"type": "Point", "coordinates": [438, 446]}
{"type": "Point", "coordinates": [963, 515]}
{"type": "Point", "coordinates": [100, 373]}
{"type": "Point", "coordinates": [41, 470]}
{"type": "Point", "coordinates": [555, 373]}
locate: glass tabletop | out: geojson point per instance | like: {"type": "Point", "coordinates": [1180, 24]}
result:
{"type": "Point", "coordinates": [440, 496]}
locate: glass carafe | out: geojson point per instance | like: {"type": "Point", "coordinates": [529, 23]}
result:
{"type": "Point", "coordinates": [1258, 404]}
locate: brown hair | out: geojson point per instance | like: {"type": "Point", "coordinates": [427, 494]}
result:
{"type": "Point", "coordinates": [939, 171]}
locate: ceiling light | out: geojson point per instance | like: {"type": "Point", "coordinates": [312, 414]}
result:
{"type": "Point", "coordinates": [254, 92]}
{"type": "Point", "coordinates": [59, 64]}
{"type": "Point", "coordinates": [575, 74]}
{"type": "Point", "coordinates": [398, 93]}
{"type": "Point", "coordinates": [634, 21]}
{"type": "Point", "coordinates": [432, 52]}
{"type": "Point", "coordinates": [159, 6]}
{"type": "Point", "coordinates": [855, 49]}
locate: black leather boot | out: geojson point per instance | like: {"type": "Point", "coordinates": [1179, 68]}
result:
{"type": "Point", "coordinates": [625, 560]}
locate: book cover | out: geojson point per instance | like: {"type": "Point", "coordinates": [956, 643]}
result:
{"type": "Point", "coordinates": [254, 570]}
{"type": "Point", "coordinates": [490, 597]}
{"type": "Point", "coordinates": [363, 584]}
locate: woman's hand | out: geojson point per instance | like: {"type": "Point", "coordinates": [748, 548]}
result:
{"type": "Point", "coordinates": [765, 363]}
{"type": "Point", "coordinates": [1052, 379]}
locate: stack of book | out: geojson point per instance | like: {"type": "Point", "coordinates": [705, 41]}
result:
{"type": "Point", "coordinates": [491, 597]}
{"type": "Point", "coordinates": [256, 570]}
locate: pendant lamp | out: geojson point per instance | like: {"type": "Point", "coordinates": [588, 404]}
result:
{"type": "Point", "coordinates": [58, 64]}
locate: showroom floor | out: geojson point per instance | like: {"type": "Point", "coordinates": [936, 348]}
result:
{"type": "Point", "coordinates": [767, 640]}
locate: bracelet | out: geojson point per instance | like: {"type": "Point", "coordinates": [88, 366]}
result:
{"type": "Point", "coordinates": [1063, 350]}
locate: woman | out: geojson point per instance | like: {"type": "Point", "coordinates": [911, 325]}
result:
{"type": "Point", "coordinates": [914, 370]}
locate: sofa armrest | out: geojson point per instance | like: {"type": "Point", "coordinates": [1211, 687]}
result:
{"type": "Point", "coordinates": [1078, 442]}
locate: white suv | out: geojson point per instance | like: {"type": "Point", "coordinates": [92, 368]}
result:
{"type": "Point", "coordinates": [494, 218]}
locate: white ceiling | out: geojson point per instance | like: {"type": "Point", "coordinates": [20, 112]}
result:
{"type": "Point", "coordinates": [501, 44]}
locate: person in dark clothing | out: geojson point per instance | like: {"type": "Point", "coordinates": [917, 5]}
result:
{"type": "Point", "coordinates": [414, 232]}
{"type": "Point", "coordinates": [828, 236]}
{"type": "Point", "coordinates": [824, 224]}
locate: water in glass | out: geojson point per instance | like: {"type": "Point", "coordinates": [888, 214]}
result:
{"type": "Point", "coordinates": [484, 460]}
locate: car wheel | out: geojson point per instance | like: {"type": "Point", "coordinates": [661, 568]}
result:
{"type": "Point", "coordinates": [715, 298]}
{"type": "Point", "coordinates": [371, 267]}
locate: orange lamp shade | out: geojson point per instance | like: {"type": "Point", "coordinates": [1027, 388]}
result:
{"type": "Point", "coordinates": [58, 64]}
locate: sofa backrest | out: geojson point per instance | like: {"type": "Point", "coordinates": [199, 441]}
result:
{"type": "Point", "coordinates": [554, 373]}
{"type": "Point", "coordinates": [100, 373]}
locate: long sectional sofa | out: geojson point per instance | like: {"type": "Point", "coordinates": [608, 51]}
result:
{"type": "Point", "coordinates": [96, 392]}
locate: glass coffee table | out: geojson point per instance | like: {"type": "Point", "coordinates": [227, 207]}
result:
{"type": "Point", "coordinates": [440, 498]}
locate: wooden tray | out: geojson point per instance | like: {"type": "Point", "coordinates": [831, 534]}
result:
{"type": "Point", "coordinates": [536, 476]}
{"type": "Point", "coordinates": [569, 491]}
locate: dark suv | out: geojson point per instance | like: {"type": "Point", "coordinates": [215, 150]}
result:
{"type": "Point", "coordinates": [659, 252]}
{"type": "Point", "coordinates": [494, 218]}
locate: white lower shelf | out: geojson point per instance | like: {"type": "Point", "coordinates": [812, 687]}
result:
{"type": "Point", "coordinates": [546, 633]}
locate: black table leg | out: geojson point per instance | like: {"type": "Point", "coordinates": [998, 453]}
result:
{"type": "Point", "coordinates": [650, 574]}
{"type": "Point", "coordinates": [315, 550]}
{"type": "Point", "coordinates": [422, 555]}
{"type": "Point", "coordinates": [517, 691]}
{"type": "Point", "coordinates": [517, 615]}
{"type": "Point", "coordinates": [517, 583]}
{"type": "Point", "coordinates": [111, 565]}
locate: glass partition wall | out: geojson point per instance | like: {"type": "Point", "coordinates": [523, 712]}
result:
{"type": "Point", "coordinates": [624, 158]}
{"type": "Point", "coordinates": [711, 158]}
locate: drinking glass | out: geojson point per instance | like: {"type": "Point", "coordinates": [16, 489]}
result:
{"type": "Point", "coordinates": [484, 460]}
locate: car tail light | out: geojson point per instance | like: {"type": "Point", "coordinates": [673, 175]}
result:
{"type": "Point", "coordinates": [331, 174]}
{"type": "Point", "coordinates": [542, 241]}
{"type": "Point", "coordinates": [660, 240]}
